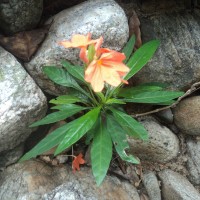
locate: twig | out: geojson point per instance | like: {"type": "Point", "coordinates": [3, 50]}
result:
{"type": "Point", "coordinates": [193, 88]}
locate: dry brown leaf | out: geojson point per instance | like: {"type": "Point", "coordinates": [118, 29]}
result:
{"type": "Point", "coordinates": [24, 44]}
{"type": "Point", "coordinates": [134, 28]}
{"type": "Point", "coordinates": [144, 197]}
{"type": "Point", "coordinates": [137, 184]}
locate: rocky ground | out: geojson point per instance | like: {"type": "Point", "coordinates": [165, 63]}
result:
{"type": "Point", "coordinates": [170, 159]}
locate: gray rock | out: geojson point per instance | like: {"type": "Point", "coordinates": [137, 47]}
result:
{"type": "Point", "coordinates": [152, 6]}
{"type": "Point", "coordinates": [193, 148]}
{"type": "Point", "coordinates": [101, 18]}
{"type": "Point", "coordinates": [19, 15]}
{"type": "Point", "coordinates": [35, 180]}
{"type": "Point", "coordinates": [177, 187]}
{"type": "Point", "coordinates": [161, 146]}
{"type": "Point", "coordinates": [21, 102]}
{"type": "Point", "coordinates": [186, 115]}
{"type": "Point", "coordinates": [166, 116]}
{"type": "Point", "coordinates": [11, 156]}
{"type": "Point", "coordinates": [28, 181]}
{"type": "Point", "coordinates": [84, 188]}
{"type": "Point", "coordinates": [152, 186]}
{"type": "Point", "coordinates": [177, 60]}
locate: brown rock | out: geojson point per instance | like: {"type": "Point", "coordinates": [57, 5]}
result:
{"type": "Point", "coordinates": [186, 115]}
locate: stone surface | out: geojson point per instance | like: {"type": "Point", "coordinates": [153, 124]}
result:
{"type": "Point", "coordinates": [152, 186]}
{"type": "Point", "coordinates": [21, 102]}
{"type": "Point", "coordinates": [177, 187]}
{"type": "Point", "coordinates": [8, 157]}
{"type": "Point", "coordinates": [186, 115]}
{"type": "Point", "coordinates": [178, 55]}
{"type": "Point", "coordinates": [101, 18]}
{"type": "Point", "coordinates": [83, 187]}
{"type": "Point", "coordinates": [28, 181]}
{"type": "Point", "coordinates": [161, 146]}
{"type": "Point", "coordinates": [193, 148]}
{"type": "Point", "coordinates": [166, 116]}
{"type": "Point", "coordinates": [155, 6]}
{"type": "Point", "coordinates": [19, 15]}
{"type": "Point", "coordinates": [35, 180]}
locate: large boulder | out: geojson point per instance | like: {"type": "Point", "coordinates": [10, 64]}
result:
{"type": "Point", "coordinates": [177, 60]}
{"type": "Point", "coordinates": [35, 180]}
{"type": "Point", "coordinates": [21, 103]}
{"type": "Point", "coordinates": [19, 15]}
{"type": "Point", "coordinates": [101, 18]}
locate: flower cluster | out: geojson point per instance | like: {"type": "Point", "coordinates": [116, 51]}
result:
{"type": "Point", "coordinates": [102, 64]}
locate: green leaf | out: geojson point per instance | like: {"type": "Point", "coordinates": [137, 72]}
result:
{"type": "Point", "coordinates": [130, 92]}
{"type": "Point", "coordinates": [130, 125]}
{"type": "Point", "coordinates": [166, 103]}
{"type": "Point", "coordinates": [68, 107]}
{"type": "Point", "coordinates": [61, 77]}
{"type": "Point", "coordinates": [115, 101]}
{"type": "Point", "coordinates": [56, 116]}
{"type": "Point", "coordinates": [101, 153]}
{"type": "Point", "coordinates": [101, 96]}
{"type": "Point", "coordinates": [89, 137]}
{"type": "Point", "coordinates": [118, 136]}
{"type": "Point", "coordinates": [65, 99]}
{"type": "Point", "coordinates": [128, 49]}
{"type": "Point", "coordinates": [74, 70]}
{"type": "Point", "coordinates": [78, 128]}
{"type": "Point", "coordinates": [91, 52]}
{"type": "Point", "coordinates": [50, 141]}
{"type": "Point", "coordinates": [141, 57]}
{"type": "Point", "coordinates": [158, 84]}
{"type": "Point", "coordinates": [154, 97]}
{"type": "Point", "coordinates": [84, 98]}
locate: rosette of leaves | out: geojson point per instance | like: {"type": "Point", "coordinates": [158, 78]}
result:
{"type": "Point", "coordinates": [103, 120]}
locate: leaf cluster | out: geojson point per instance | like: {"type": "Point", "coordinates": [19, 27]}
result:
{"type": "Point", "coordinates": [103, 120]}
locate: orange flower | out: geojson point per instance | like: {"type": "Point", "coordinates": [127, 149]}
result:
{"type": "Point", "coordinates": [80, 41]}
{"type": "Point", "coordinates": [109, 67]}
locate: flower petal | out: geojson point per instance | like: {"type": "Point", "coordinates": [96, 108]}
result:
{"type": "Point", "coordinates": [114, 56]}
{"type": "Point", "coordinates": [110, 76]}
{"type": "Point", "coordinates": [97, 81]}
{"type": "Point", "coordinates": [79, 41]}
{"type": "Point", "coordinates": [83, 55]}
{"type": "Point", "coordinates": [118, 66]}
{"type": "Point", "coordinates": [90, 71]}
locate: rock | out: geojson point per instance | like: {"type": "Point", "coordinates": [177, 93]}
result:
{"type": "Point", "coordinates": [152, 186]}
{"type": "Point", "coordinates": [161, 146]}
{"type": "Point", "coordinates": [19, 15]}
{"type": "Point", "coordinates": [166, 116]}
{"type": "Point", "coordinates": [28, 180]}
{"type": "Point", "coordinates": [193, 148]}
{"type": "Point", "coordinates": [11, 156]}
{"type": "Point", "coordinates": [176, 62]}
{"type": "Point", "coordinates": [101, 18]}
{"type": "Point", "coordinates": [186, 115]}
{"type": "Point", "coordinates": [83, 187]}
{"type": "Point", "coordinates": [36, 180]}
{"type": "Point", "coordinates": [177, 187]}
{"type": "Point", "coordinates": [22, 103]}
{"type": "Point", "coordinates": [152, 6]}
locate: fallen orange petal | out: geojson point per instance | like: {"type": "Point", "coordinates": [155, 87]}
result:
{"type": "Point", "coordinates": [78, 160]}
